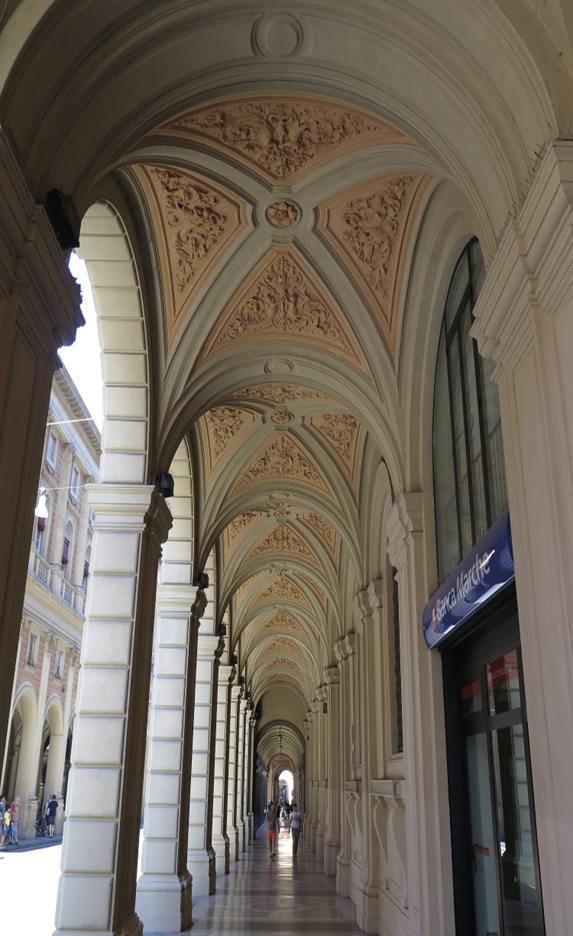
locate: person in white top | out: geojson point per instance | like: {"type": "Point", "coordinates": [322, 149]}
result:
{"type": "Point", "coordinates": [295, 826]}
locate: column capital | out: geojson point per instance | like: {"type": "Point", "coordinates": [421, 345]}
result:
{"type": "Point", "coordinates": [321, 693]}
{"type": "Point", "coordinates": [532, 267]}
{"type": "Point", "coordinates": [405, 517]}
{"type": "Point", "coordinates": [332, 676]}
{"type": "Point", "coordinates": [344, 646]}
{"type": "Point", "coordinates": [175, 599]}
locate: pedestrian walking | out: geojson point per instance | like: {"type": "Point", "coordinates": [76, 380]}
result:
{"type": "Point", "coordinates": [4, 820]}
{"type": "Point", "coordinates": [14, 820]}
{"type": "Point", "coordinates": [295, 827]}
{"type": "Point", "coordinates": [272, 821]}
{"type": "Point", "coordinates": [51, 811]}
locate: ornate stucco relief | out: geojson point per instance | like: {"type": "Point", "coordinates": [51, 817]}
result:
{"type": "Point", "coordinates": [283, 622]}
{"type": "Point", "coordinates": [283, 646]}
{"type": "Point", "coordinates": [283, 539]}
{"type": "Point", "coordinates": [369, 227]}
{"type": "Point", "coordinates": [281, 588]}
{"type": "Point", "coordinates": [282, 138]}
{"type": "Point", "coordinates": [341, 431]}
{"type": "Point", "coordinates": [245, 587]}
{"type": "Point", "coordinates": [195, 223]}
{"type": "Point", "coordinates": [280, 394]}
{"type": "Point", "coordinates": [282, 301]}
{"type": "Point", "coordinates": [282, 459]}
{"type": "Point", "coordinates": [238, 526]}
{"type": "Point", "coordinates": [282, 214]}
{"type": "Point", "coordinates": [323, 529]}
{"type": "Point", "coordinates": [316, 588]}
{"type": "Point", "coordinates": [221, 428]}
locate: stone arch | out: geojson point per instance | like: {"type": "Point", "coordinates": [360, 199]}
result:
{"type": "Point", "coordinates": [106, 249]}
{"type": "Point", "coordinates": [26, 706]}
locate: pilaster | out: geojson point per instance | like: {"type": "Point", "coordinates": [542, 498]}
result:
{"type": "Point", "coordinates": [333, 789]}
{"type": "Point", "coordinates": [344, 650]}
{"type": "Point", "coordinates": [97, 886]}
{"type": "Point", "coordinates": [227, 675]}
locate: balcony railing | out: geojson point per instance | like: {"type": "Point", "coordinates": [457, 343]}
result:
{"type": "Point", "coordinates": [72, 595]}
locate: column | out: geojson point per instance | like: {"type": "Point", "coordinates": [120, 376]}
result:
{"type": "Point", "coordinates": [97, 886]}
{"type": "Point", "coordinates": [221, 769]}
{"type": "Point", "coordinates": [524, 322]}
{"type": "Point", "coordinates": [428, 870]}
{"type": "Point", "coordinates": [344, 649]}
{"type": "Point", "coordinates": [39, 310]}
{"type": "Point", "coordinates": [321, 716]}
{"type": "Point", "coordinates": [164, 889]}
{"type": "Point", "coordinates": [59, 521]}
{"type": "Point", "coordinates": [368, 625]}
{"type": "Point", "coordinates": [250, 773]}
{"type": "Point", "coordinates": [333, 789]}
{"type": "Point", "coordinates": [200, 851]}
{"type": "Point", "coordinates": [232, 829]}
{"type": "Point", "coordinates": [27, 776]}
{"type": "Point", "coordinates": [240, 774]}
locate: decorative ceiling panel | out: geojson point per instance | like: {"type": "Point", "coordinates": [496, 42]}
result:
{"type": "Point", "coordinates": [239, 525]}
{"type": "Point", "coordinates": [369, 227]}
{"type": "Point", "coordinates": [279, 394]}
{"type": "Point", "coordinates": [282, 139]}
{"type": "Point", "coordinates": [221, 429]}
{"type": "Point", "coordinates": [281, 588]}
{"type": "Point", "coordinates": [322, 529]}
{"type": "Point", "coordinates": [342, 433]}
{"type": "Point", "coordinates": [195, 223]}
{"type": "Point", "coordinates": [281, 300]}
{"type": "Point", "coordinates": [283, 646]}
{"type": "Point", "coordinates": [283, 622]}
{"type": "Point", "coordinates": [283, 459]}
{"type": "Point", "coordinates": [282, 538]}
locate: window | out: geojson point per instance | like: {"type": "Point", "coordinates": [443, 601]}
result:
{"type": "Point", "coordinates": [398, 743]}
{"type": "Point", "coordinates": [469, 470]}
{"type": "Point", "coordinates": [32, 648]}
{"type": "Point", "coordinates": [51, 450]}
{"type": "Point", "coordinates": [67, 551]}
{"type": "Point", "coordinates": [74, 484]}
{"type": "Point", "coordinates": [59, 664]}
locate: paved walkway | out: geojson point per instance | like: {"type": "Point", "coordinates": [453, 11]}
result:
{"type": "Point", "coordinates": [274, 896]}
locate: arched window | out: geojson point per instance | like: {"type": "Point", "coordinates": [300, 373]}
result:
{"type": "Point", "coordinates": [469, 471]}
{"type": "Point", "coordinates": [67, 551]}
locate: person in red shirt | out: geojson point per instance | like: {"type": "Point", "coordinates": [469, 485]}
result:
{"type": "Point", "coordinates": [272, 822]}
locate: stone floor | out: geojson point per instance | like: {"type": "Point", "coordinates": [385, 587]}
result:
{"type": "Point", "coordinates": [274, 896]}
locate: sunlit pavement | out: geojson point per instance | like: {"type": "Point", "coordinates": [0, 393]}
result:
{"type": "Point", "coordinates": [29, 888]}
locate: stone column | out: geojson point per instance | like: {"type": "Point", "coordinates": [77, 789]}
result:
{"type": "Point", "coordinates": [39, 311]}
{"type": "Point", "coordinates": [200, 851]}
{"type": "Point", "coordinates": [221, 769]}
{"type": "Point", "coordinates": [59, 519]}
{"type": "Point", "coordinates": [97, 886]}
{"type": "Point", "coordinates": [368, 625]}
{"type": "Point", "coordinates": [164, 888]}
{"type": "Point", "coordinates": [344, 649]}
{"type": "Point", "coordinates": [524, 319]}
{"type": "Point", "coordinates": [427, 835]}
{"type": "Point", "coordinates": [333, 789]}
{"type": "Point", "coordinates": [240, 773]}
{"type": "Point", "coordinates": [250, 773]}
{"type": "Point", "coordinates": [232, 829]}
{"type": "Point", "coordinates": [320, 716]}
{"type": "Point", "coordinates": [27, 776]}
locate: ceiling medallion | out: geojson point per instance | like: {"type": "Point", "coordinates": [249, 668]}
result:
{"type": "Point", "coordinates": [281, 417]}
{"type": "Point", "coordinates": [282, 214]}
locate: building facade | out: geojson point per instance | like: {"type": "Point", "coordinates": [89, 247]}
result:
{"type": "Point", "coordinates": [37, 755]}
{"type": "Point", "coordinates": [331, 254]}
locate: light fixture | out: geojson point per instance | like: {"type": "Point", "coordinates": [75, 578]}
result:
{"type": "Point", "coordinates": [41, 510]}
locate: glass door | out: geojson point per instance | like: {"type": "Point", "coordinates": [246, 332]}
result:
{"type": "Point", "coordinates": [497, 878]}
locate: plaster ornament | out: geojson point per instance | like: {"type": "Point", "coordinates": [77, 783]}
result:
{"type": "Point", "coordinates": [281, 301]}
{"type": "Point", "coordinates": [283, 589]}
{"type": "Point", "coordinates": [281, 394]}
{"type": "Point", "coordinates": [223, 424]}
{"type": "Point", "coordinates": [283, 663]}
{"type": "Point", "coordinates": [283, 539]}
{"type": "Point", "coordinates": [315, 588]}
{"type": "Point", "coordinates": [240, 524]}
{"type": "Point", "coordinates": [283, 459]}
{"type": "Point", "coordinates": [283, 621]}
{"type": "Point", "coordinates": [369, 228]}
{"type": "Point", "coordinates": [323, 528]}
{"type": "Point", "coordinates": [283, 138]}
{"type": "Point", "coordinates": [195, 222]}
{"type": "Point", "coordinates": [282, 645]}
{"type": "Point", "coordinates": [282, 214]}
{"type": "Point", "coordinates": [281, 417]}
{"type": "Point", "coordinates": [341, 431]}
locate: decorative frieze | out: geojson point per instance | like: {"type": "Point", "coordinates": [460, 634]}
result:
{"type": "Point", "coordinates": [280, 394]}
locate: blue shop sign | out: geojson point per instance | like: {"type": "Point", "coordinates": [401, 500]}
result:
{"type": "Point", "coordinates": [486, 569]}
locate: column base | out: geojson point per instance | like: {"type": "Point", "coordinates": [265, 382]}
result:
{"type": "Point", "coordinates": [331, 851]}
{"type": "Point", "coordinates": [27, 823]}
{"type": "Point", "coordinates": [221, 848]}
{"type": "Point", "coordinates": [164, 902]}
{"type": "Point", "coordinates": [367, 909]}
{"type": "Point", "coordinates": [201, 866]}
{"type": "Point", "coordinates": [132, 928]}
{"type": "Point", "coordinates": [342, 876]}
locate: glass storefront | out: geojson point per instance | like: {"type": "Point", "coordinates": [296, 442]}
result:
{"type": "Point", "coordinates": [496, 873]}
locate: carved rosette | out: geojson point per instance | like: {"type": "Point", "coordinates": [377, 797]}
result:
{"type": "Point", "coordinates": [282, 214]}
{"type": "Point", "coordinates": [369, 227]}
{"type": "Point", "coordinates": [282, 139]}
{"type": "Point", "coordinates": [342, 433]}
{"type": "Point", "coordinates": [283, 539]}
{"type": "Point", "coordinates": [282, 417]}
{"type": "Point", "coordinates": [195, 222]}
{"type": "Point", "coordinates": [282, 459]}
{"type": "Point", "coordinates": [281, 301]}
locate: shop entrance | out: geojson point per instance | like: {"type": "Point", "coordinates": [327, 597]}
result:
{"type": "Point", "coordinates": [496, 871]}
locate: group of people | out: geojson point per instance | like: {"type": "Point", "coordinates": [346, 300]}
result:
{"type": "Point", "coordinates": [272, 819]}
{"type": "Point", "coordinates": [10, 816]}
